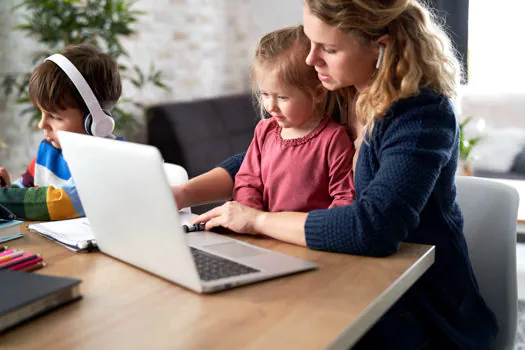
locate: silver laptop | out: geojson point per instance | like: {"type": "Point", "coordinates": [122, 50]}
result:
{"type": "Point", "coordinates": [134, 217]}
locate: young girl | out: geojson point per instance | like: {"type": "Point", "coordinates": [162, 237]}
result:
{"type": "Point", "coordinates": [299, 158]}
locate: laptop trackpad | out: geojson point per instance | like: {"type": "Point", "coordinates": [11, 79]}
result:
{"type": "Point", "coordinates": [234, 250]}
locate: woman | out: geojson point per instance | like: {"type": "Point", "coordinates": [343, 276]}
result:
{"type": "Point", "coordinates": [396, 73]}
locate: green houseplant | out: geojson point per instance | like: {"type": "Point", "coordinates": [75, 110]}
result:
{"type": "Point", "coordinates": [466, 145]}
{"type": "Point", "coordinates": [102, 23]}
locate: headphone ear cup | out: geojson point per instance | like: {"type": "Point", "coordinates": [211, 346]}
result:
{"type": "Point", "coordinates": [88, 122]}
{"type": "Point", "coordinates": [107, 122]}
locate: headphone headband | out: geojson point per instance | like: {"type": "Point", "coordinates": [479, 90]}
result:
{"type": "Point", "coordinates": [101, 121]}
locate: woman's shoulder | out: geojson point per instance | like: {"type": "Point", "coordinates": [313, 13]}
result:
{"type": "Point", "coordinates": [425, 104]}
{"type": "Point", "coordinates": [425, 115]}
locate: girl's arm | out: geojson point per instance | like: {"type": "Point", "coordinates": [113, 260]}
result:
{"type": "Point", "coordinates": [340, 178]}
{"type": "Point", "coordinates": [248, 185]}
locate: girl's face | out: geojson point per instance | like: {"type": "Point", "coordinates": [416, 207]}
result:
{"type": "Point", "coordinates": [341, 60]}
{"type": "Point", "coordinates": [291, 107]}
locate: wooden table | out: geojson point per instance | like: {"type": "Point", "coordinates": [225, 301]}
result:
{"type": "Point", "coordinates": [126, 308]}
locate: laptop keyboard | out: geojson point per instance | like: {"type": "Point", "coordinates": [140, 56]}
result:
{"type": "Point", "coordinates": [212, 267]}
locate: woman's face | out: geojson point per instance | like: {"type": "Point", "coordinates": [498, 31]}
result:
{"type": "Point", "coordinates": [341, 60]}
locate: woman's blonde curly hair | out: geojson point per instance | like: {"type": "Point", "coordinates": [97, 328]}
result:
{"type": "Point", "coordinates": [419, 54]}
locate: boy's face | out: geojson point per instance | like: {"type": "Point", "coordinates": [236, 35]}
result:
{"type": "Point", "coordinates": [70, 119]}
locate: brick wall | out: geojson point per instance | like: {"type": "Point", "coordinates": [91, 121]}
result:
{"type": "Point", "coordinates": [203, 48]}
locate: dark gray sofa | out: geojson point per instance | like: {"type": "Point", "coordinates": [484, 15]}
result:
{"type": "Point", "coordinates": [200, 134]}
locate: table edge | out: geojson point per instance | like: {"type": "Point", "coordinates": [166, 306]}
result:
{"type": "Point", "coordinates": [381, 304]}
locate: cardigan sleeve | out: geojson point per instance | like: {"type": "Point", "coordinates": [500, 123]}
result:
{"type": "Point", "coordinates": [411, 152]}
{"type": "Point", "coordinates": [232, 164]}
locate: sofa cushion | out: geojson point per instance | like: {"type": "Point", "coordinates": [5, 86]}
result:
{"type": "Point", "coordinates": [498, 149]}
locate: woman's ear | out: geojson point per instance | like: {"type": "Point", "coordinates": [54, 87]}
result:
{"type": "Point", "coordinates": [383, 40]}
{"type": "Point", "coordinates": [380, 47]}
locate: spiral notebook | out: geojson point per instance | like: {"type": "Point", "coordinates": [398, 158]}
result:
{"type": "Point", "coordinates": [77, 235]}
{"type": "Point", "coordinates": [74, 234]}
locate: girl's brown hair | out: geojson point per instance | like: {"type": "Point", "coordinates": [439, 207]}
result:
{"type": "Point", "coordinates": [52, 90]}
{"type": "Point", "coordinates": [285, 51]}
{"type": "Point", "coordinates": [419, 54]}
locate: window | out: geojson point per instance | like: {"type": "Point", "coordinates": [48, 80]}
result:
{"type": "Point", "coordinates": [496, 50]}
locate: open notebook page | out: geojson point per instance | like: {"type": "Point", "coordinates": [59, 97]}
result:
{"type": "Point", "coordinates": [72, 232]}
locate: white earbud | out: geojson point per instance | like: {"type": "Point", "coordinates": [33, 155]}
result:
{"type": "Point", "coordinates": [380, 57]}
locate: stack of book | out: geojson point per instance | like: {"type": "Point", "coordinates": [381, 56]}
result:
{"type": "Point", "coordinates": [24, 296]}
{"type": "Point", "coordinates": [18, 260]}
{"type": "Point", "coordinates": [10, 229]}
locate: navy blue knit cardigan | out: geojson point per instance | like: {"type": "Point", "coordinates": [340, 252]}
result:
{"type": "Point", "coordinates": [405, 191]}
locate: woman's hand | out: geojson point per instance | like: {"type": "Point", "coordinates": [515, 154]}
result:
{"type": "Point", "coordinates": [5, 180]}
{"type": "Point", "coordinates": [284, 226]}
{"type": "Point", "coordinates": [233, 216]}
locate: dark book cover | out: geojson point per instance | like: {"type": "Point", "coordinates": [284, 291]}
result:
{"type": "Point", "coordinates": [25, 295]}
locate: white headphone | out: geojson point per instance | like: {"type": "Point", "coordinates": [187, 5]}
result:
{"type": "Point", "coordinates": [380, 57]}
{"type": "Point", "coordinates": [97, 122]}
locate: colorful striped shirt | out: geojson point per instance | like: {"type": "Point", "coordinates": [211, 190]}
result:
{"type": "Point", "coordinates": [46, 190]}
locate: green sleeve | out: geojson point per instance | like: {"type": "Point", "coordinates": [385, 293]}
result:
{"type": "Point", "coordinates": [27, 203]}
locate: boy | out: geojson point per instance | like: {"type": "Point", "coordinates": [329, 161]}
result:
{"type": "Point", "coordinates": [46, 190]}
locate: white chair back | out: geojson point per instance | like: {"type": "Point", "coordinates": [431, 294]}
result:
{"type": "Point", "coordinates": [176, 175]}
{"type": "Point", "coordinates": [490, 212]}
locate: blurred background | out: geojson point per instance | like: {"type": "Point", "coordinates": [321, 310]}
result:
{"type": "Point", "coordinates": [183, 50]}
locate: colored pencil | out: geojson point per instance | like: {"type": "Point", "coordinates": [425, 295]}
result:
{"type": "Point", "coordinates": [11, 256]}
{"type": "Point", "coordinates": [27, 263]}
{"type": "Point", "coordinates": [16, 261]}
{"type": "Point", "coordinates": [34, 267]}
{"type": "Point", "coordinates": [3, 248]}
{"type": "Point", "coordinates": [7, 252]}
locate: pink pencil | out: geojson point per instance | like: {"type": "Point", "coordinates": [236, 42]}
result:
{"type": "Point", "coordinates": [11, 256]}
{"type": "Point", "coordinates": [15, 260]}
{"type": "Point", "coordinates": [10, 251]}
{"type": "Point", "coordinates": [25, 264]}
